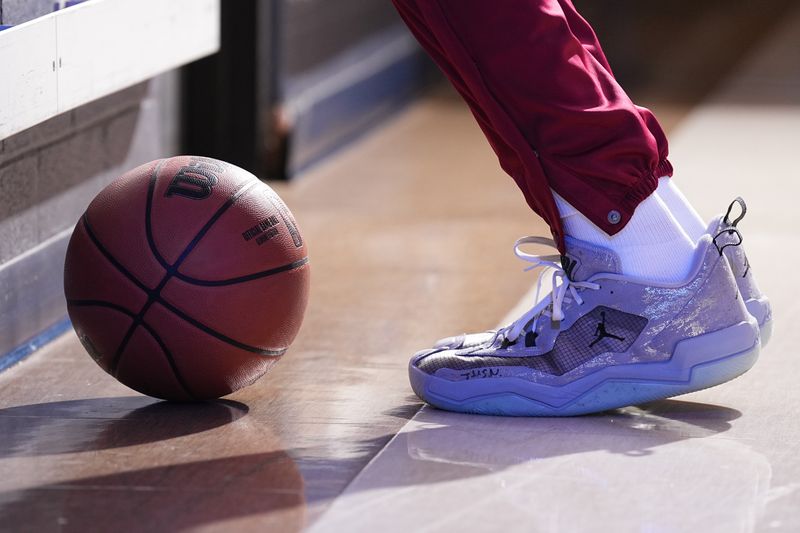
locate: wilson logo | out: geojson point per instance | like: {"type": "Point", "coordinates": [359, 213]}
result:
{"type": "Point", "coordinates": [195, 180]}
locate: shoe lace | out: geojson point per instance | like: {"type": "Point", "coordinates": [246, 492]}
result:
{"type": "Point", "coordinates": [565, 290]}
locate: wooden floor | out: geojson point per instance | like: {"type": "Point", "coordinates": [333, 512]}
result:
{"type": "Point", "coordinates": [410, 237]}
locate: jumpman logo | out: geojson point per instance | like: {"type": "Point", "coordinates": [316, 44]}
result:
{"type": "Point", "coordinates": [600, 333]}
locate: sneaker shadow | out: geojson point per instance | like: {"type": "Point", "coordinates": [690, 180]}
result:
{"type": "Point", "coordinates": [441, 446]}
{"type": "Point", "coordinates": [502, 441]}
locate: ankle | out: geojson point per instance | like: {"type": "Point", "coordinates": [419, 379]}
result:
{"type": "Point", "coordinates": [653, 245]}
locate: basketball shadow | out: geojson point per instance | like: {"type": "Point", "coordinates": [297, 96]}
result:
{"type": "Point", "coordinates": [103, 423]}
{"type": "Point", "coordinates": [190, 484]}
{"type": "Point", "coordinates": [257, 492]}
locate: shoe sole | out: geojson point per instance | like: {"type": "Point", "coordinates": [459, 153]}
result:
{"type": "Point", "coordinates": [696, 364]}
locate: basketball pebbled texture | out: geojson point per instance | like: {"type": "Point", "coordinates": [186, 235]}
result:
{"type": "Point", "coordinates": [186, 278]}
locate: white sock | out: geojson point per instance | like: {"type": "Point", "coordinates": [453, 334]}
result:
{"type": "Point", "coordinates": [653, 245]}
{"type": "Point", "coordinates": [681, 209]}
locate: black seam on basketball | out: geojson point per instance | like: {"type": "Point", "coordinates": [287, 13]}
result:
{"type": "Point", "coordinates": [168, 355]}
{"type": "Point", "coordinates": [150, 293]}
{"type": "Point", "coordinates": [111, 258]}
{"type": "Point", "coordinates": [199, 325]}
{"type": "Point", "coordinates": [241, 279]}
{"type": "Point", "coordinates": [101, 303]}
{"type": "Point", "coordinates": [173, 270]}
{"type": "Point", "coordinates": [147, 327]}
{"type": "Point", "coordinates": [153, 295]}
{"type": "Point", "coordinates": [151, 187]}
{"type": "Point", "coordinates": [112, 367]}
{"type": "Point", "coordinates": [137, 320]}
{"type": "Point", "coordinates": [200, 234]}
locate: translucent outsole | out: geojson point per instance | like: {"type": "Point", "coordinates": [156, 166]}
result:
{"type": "Point", "coordinates": [608, 394]}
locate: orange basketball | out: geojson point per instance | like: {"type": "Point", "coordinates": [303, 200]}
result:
{"type": "Point", "coordinates": [186, 278]}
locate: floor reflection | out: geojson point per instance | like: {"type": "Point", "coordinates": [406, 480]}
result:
{"type": "Point", "coordinates": [663, 466]}
{"type": "Point", "coordinates": [261, 491]}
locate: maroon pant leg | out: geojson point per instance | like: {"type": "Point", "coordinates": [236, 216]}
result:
{"type": "Point", "coordinates": [585, 34]}
{"type": "Point", "coordinates": [542, 91]}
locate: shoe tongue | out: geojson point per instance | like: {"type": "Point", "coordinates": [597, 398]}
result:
{"type": "Point", "coordinates": [583, 260]}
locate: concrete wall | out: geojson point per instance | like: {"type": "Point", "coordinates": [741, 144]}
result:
{"type": "Point", "coordinates": [49, 174]}
{"type": "Point", "coordinates": [314, 31]}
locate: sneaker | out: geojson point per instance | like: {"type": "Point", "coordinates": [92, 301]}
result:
{"type": "Point", "coordinates": [728, 240]}
{"type": "Point", "coordinates": [599, 341]}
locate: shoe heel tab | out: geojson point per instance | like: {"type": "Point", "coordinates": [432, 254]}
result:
{"type": "Point", "coordinates": [742, 207]}
{"type": "Point", "coordinates": [734, 238]}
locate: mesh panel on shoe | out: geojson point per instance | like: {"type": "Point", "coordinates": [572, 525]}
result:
{"type": "Point", "coordinates": [602, 330]}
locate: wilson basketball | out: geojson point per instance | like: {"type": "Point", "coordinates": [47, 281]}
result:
{"type": "Point", "coordinates": [186, 278]}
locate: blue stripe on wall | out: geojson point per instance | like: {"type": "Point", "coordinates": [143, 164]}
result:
{"type": "Point", "coordinates": [31, 345]}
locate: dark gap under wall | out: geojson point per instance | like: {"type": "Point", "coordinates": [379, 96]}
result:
{"type": "Point", "coordinates": [219, 110]}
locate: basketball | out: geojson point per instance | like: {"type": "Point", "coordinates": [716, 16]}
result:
{"type": "Point", "coordinates": [186, 278]}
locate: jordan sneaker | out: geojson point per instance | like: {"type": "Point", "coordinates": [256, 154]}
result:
{"type": "Point", "coordinates": [600, 340]}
